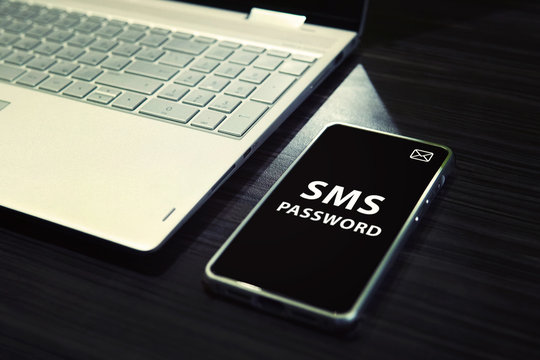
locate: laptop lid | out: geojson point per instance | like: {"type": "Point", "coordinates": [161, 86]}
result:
{"type": "Point", "coordinates": [342, 14]}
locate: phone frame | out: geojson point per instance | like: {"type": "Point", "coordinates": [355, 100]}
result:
{"type": "Point", "coordinates": [290, 308]}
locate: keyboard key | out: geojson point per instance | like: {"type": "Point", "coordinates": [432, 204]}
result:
{"type": "Point", "coordinates": [55, 84]}
{"type": "Point", "coordinates": [63, 68]}
{"type": "Point", "coordinates": [225, 104]}
{"type": "Point", "coordinates": [214, 83]}
{"type": "Point", "coordinates": [27, 12]}
{"type": "Point", "coordinates": [117, 22]}
{"type": "Point", "coordinates": [138, 27]}
{"type": "Point", "coordinates": [32, 78]}
{"type": "Point", "coordinates": [70, 53]}
{"type": "Point", "coordinates": [149, 54]}
{"type": "Point", "coordinates": [126, 49]}
{"type": "Point", "coordinates": [115, 63]}
{"type": "Point", "coordinates": [8, 39]}
{"type": "Point", "coordinates": [39, 31]}
{"type": "Point", "coordinates": [41, 63]}
{"type": "Point", "coordinates": [18, 26]}
{"type": "Point", "coordinates": [157, 71]}
{"type": "Point", "coordinates": [131, 35]}
{"type": "Point", "coordinates": [48, 48]}
{"type": "Point", "coordinates": [103, 45]}
{"type": "Point", "coordinates": [92, 58]}
{"type": "Point", "coordinates": [204, 39]}
{"type": "Point", "coordinates": [87, 26]}
{"type": "Point", "coordinates": [128, 101]}
{"type": "Point", "coordinates": [67, 22]}
{"type": "Point", "coordinates": [218, 53]}
{"type": "Point", "coordinates": [10, 73]}
{"type": "Point", "coordinates": [173, 92]}
{"type": "Point", "coordinates": [304, 58]}
{"type": "Point", "coordinates": [160, 31]}
{"type": "Point", "coordinates": [19, 58]}
{"type": "Point", "coordinates": [96, 18]}
{"type": "Point", "coordinates": [79, 89]}
{"type": "Point", "coordinates": [208, 119]}
{"type": "Point", "coordinates": [176, 59]}
{"type": "Point", "coordinates": [182, 35]}
{"type": "Point", "coordinates": [26, 43]}
{"type": "Point", "coordinates": [186, 46]}
{"type": "Point", "coordinates": [294, 68]}
{"type": "Point", "coordinates": [230, 44]}
{"type": "Point", "coordinates": [100, 98]}
{"type": "Point", "coordinates": [59, 36]}
{"type": "Point", "coordinates": [229, 70]}
{"type": "Point", "coordinates": [81, 40]}
{"type": "Point", "coordinates": [240, 89]}
{"type": "Point", "coordinates": [109, 31]}
{"type": "Point", "coordinates": [198, 98]}
{"type": "Point", "coordinates": [169, 110]}
{"type": "Point", "coordinates": [153, 40]}
{"type": "Point", "coordinates": [129, 82]}
{"type": "Point", "coordinates": [255, 76]}
{"type": "Point", "coordinates": [189, 78]}
{"type": "Point", "coordinates": [254, 49]}
{"type": "Point", "coordinates": [243, 118]}
{"type": "Point", "coordinates": [268, 63]}
{"type": "Point", "coordinates": [279, 53]}
{"type": "Point", "coordinates": [273, 88]}
{"type": "Point", "coordinates": [243, 58]}
{"type": "Point", "coordinates": [204, 65]}
{"type": "Point", "coordinates": [45, 18]}
{"type": "Point", "coordinates": [86, 73]}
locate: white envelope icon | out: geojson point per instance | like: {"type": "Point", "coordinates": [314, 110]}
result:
{"type": "Point", "coordinates": [421, 155]}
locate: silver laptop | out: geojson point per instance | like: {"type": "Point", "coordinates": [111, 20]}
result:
{"type": "Point", "coordinates": [118, 118]}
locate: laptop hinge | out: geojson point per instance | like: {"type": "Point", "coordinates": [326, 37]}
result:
{"type": "Point", "coordinates": [271, 17]}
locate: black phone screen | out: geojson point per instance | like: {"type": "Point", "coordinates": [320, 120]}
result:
{"type": "Point", "coordinates": [322, 232]}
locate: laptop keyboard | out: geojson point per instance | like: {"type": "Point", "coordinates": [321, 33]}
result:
{"type": "Point", "coordinates": [213, 84]}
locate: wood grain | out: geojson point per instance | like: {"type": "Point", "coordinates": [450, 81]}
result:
{"type": "Point", "coordinates": [466, 285]}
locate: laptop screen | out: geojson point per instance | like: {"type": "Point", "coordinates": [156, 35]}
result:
{"type": "Point", "coordinates": [336, 13]}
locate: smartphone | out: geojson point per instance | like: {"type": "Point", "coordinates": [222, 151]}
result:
{"type": "Point", "coordinates": [318, 243]}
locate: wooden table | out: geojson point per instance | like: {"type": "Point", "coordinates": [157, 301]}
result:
{"type": "Point", "coordinates": [466, 285]}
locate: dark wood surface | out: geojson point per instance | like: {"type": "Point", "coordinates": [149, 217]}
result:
{"type": "Point", "coordinates": [466, 285]}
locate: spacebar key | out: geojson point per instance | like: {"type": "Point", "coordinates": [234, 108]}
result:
{"type": "Point", "coordinates": [130, 82]}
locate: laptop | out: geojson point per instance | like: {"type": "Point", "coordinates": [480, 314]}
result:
{"type": "Point", "coordinates": [119, 118]}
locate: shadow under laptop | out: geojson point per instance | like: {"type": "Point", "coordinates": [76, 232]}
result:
{"type": "Point", "coordinates": [31, 229]}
